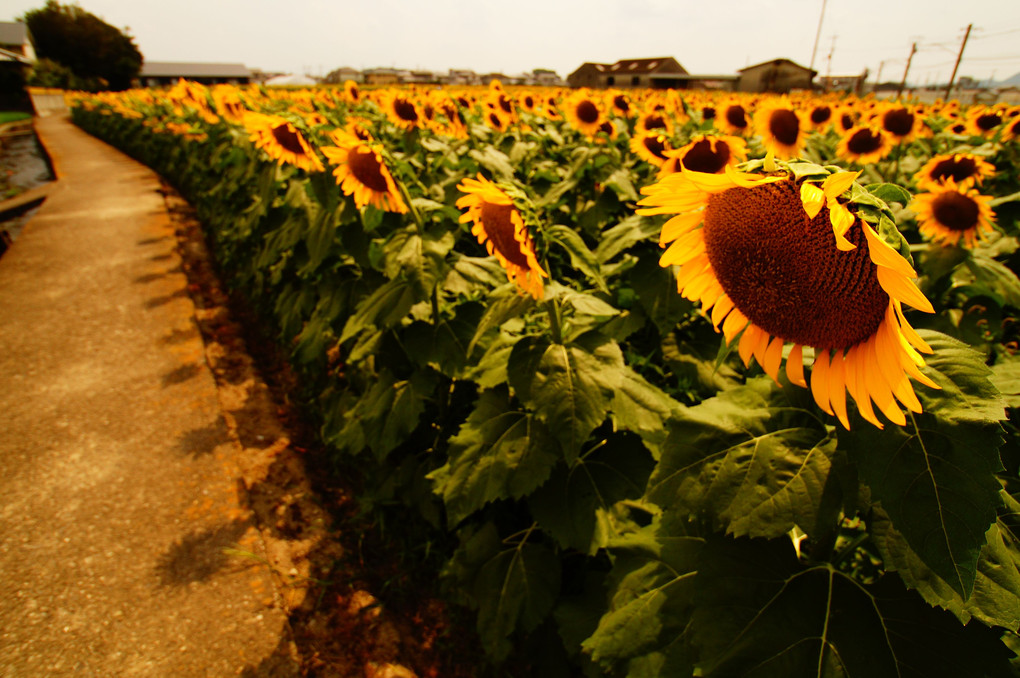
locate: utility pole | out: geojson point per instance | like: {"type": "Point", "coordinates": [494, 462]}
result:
{"type": "Point", "coordinates": [818, 34]}
{"type": "Point", "coordinates": [913, 49]}
{"type": "Point", "coordinates": [828, 63]}
{"type": "Point", "coordinates": [957, 64]}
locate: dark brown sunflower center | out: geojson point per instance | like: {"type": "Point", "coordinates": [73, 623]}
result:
{"type": "Point", "coordinates": [366, 168]}
{"type": "Point", "coordinates": [820, 114]}
{"type": "Point", "coordinates": [656, 146]}
{"type": "Point", "coordinates": [405, 110]}
{"type": "Point", "coordinates": [958, 128]}
{"type": "Point", "coordinates": [495, 120]}
{"type": "Point", "coordinates": [955, 211]}
{"type": "Point", "coordinates": [655, 122]}
{"type": "Point", "coordinates": [289, 138]}
{"type": "Point", "coordinates": [354, 93]}
{"type": "Point", "coordinates": [505, 103]}
{"type": "Point", "coordinates": [701, 157]}
{"type": "Point", "coordinates": [606, 127]}
{"type": "Point", "coordinates": [956, 169]}
{"type": "Point", "coordinates": [529, 101]}
{"type": "Point", "coordinates": [898, 121]}
{"type": "Point", "coordinates": [864, 141]}
{"type": "Point", "coordinates": [783, 271]}
{"type": "Point", "coordinates": [988, 121]}
{"type": "Point", "coordinates": [587, 112]}
{"type": "Point", "coordinates": [1014, 127]}
{"type": "Point", "coordinates": [621, 104]}
{"type": "Point", "coordinates": [707, 113]}
{"type": "Point", "coordinates": [784, 126]}
{"type": "Point", "coordinates": [499, 229]}
{"type": "Point", "coordinates": [846, 121]}
{"type": "Point", "coordinates": [736, 116]}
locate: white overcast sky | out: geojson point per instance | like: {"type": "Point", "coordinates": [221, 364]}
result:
{"type": "Point", "coordinates": [511, 36]}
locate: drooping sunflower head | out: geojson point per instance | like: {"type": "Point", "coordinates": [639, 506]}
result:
{"type": "Point", "coordinates": [864, 144]}
{"type": "Point", "coordinates": [620, 104]}
{"type": "Point", "coordinates": [787, 257]}
{"type": "Point", "coordinates": [351, 91]}
{"type": "Point", "coordinates": [229, 104]}
{"type": "Point", "coordinates": [583, 112]}
{"type": "Point", "coordinates": [706, 154]}
{"type": "Point", "coordinates": [362, 173]}
{"type": "Point", "coordinates": [498, 224]}
{"type": "Point", "coordinates": [781, 127]}
{"type": "Point", "coordinates": [948, 214]}
{"type": "Point", "coordinates": [281, 141]}
{"type": "Point", "coordinates": [964, 169]}
{"type": "Point", "coordinates": [651, 147]}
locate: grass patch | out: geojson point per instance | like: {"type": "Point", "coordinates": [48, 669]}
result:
{"type": "Point", "coordinates": [13, 116]}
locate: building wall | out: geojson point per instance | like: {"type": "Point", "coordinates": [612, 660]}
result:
{"type": "Point", "coordinates": [773, 77]}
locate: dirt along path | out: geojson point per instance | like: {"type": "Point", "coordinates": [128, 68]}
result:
{"type": "Point", "coordinates": [155, 518]}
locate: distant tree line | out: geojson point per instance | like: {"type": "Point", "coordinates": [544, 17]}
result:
{"type": "Point", "coordinates": [78, 50]}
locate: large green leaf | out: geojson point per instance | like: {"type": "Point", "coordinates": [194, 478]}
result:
{"type": "Point", "coordinates": [499, 453]}
{"type": "Point", "coordinates": [760, 613]}
{"type": "Point", "coordinates": [619, 238]}
{"type": "Point", "coordinates": [389, 303]}
{"type": "Point", "coordinates": [996, 596]}
{"type": "Point", "coordinates": [640, 407]}
{"type": "Point", "coordinates": [517, 588]}
{"type": "Point", "coordinates": [569, 385]}
{"type": "Point", "coordinates": [935, 477]}
{"type": "Point", "coordinates": [420, 258]}
{"type": "Point", "coordinates": [657, 292]}
{"type": "Point", "coordinates": [572, 505]}
{"type": "Point", "coordinates": [652, 585]}
{"type": "Point", "coordinates": [580, 256]}
{"type": "Point", "coordinates": [750, 460]}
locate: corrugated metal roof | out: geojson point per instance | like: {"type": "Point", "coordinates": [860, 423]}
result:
{"type": "Point", "coordinates": [644, 65]}
{"type": "Point", "coordinates": [12, 33]}
{"type": "Point", "coordinates": [183, 69]}
{"type": "Point", "coordinates": [7, 55]}
{"type": "Point", "coordinates": [777, 62]}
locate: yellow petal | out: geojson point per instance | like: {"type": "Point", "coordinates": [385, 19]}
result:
{"type": "Point", "coordinates": [842, 220]}
{"type": "Point", "coordinates": [819, 382]}
{"type": "Point", "coordinates": [878, 386]}
{"type": "Point", "coordinates": [837, 388]}
{"type": "Point", "coordinates": [735, 322]}
{"type": "Point", "coordinates": [857, 383]}
{"type": "Point", "coordinates": [837, 184]}
{"type": "Point", "coordinates": [912, 336]}
{"type": "Point", "coordinates": [885, 256]}
{"type": "Point", "coordinates": [902, 289]}
{"type": "Point", "coordinates": [813, 199]}
{"type": "Point", "coordinates": [679, 225]}
{"type": "Point", "coordinates": [795, 366]}
{"type": "Point", "coordinates": [683, 249]}
{"type": "Point", "coordinates": [747, 342]}
{"type": "Point", "coordinates": [772, 359]}
{"type": "Point", "coordinates": [723, 305]}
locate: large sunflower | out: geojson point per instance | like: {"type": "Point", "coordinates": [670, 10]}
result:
{"type": "Point", "coordinates": [775, 260]}
{"type": "Point", "coordinates": [964, 169]}
{"type": "Point", "coordinates": [281, 141]}
{"type": "Point", "coordinates": [950, 213]}
{"type": "Point", "coordinates": [864, 144]}
{"type": "Point", "coordinates": [361, 172]}
{"type": "Point", "coordinates": [499, 226]}
{"type": "Point", "coordinates": [781, 127]}
{"type": "Point", "coordinates": [733, 118]}
{"type": "Point", "coordinates": [983, 120]}
{"type": "Point", "coordinates": [901, 123]}
{"type": "Point", "coordinates": [401, 110]}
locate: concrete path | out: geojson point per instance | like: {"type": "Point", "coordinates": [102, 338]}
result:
{"type": "Point", "coordinates": [119, 483]}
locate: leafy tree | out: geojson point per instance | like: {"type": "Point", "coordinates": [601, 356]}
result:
{"type": "Point", "coordinates": [95, 52]}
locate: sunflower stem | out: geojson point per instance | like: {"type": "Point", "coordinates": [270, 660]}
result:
{"type": "Point", "coordinates": [552, 307]}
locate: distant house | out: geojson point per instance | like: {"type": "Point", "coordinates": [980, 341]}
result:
{"type": "Point", "coordinates": [778, 75]}
{"type": "Point", "coordinates": [657, 73]}
{"type": "Point", "coordinates": [16, 42]}
{"type": "Point", "coordinates": [342, 75]}
{"type": "Point", "coordinates": [381, 76]}
{"type": "Point", "coordinates": [162, 73]}
{"type": "Point", "coordinates": [462, 76]}
{"type": "Point", "coordinates": [543, 77]}
{"type": "Point", "coordinates": [852, 84]}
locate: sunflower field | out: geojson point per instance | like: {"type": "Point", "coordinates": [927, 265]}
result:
{"type": "Point", "coordinates": [690, 383]}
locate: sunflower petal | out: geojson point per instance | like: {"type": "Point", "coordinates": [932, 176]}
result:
{"type": "Point", "coordinates": [837, 388]}
{"type": "Point", "coordinates": [772, 358]}
{"type": "Point", "coordinates": [813, 199]}
{"type": "Point", "coordinates": [837, 184]}
{"type": "Point", "coordinates": [735, 322]}
{"type": "Point", "coordinates": [819, 381]}
{"type": "Point", "coordinates": [679, 225]}
{"type": "Point", "coordinates": [885, 256]}
{"type": "Point", "coordinates": [795, 366]}
{"type": "Point", "coordinates": [902, 289]}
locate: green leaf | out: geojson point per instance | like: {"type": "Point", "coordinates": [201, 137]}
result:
{"type": "Point", "coordinates": [491, 368]}
{"type": "Point", "coordinates": [749, 459]}
{"type": "Point", "coordinates": [652, 586]}
{"type": "Point", "coordinates": [580, 256]}
{"type": "Point", "coordinates": [760, 614]}
{"type": "Point", "coordinates": [443, 345]}
{"type": "Point", "coordinates": [989, 274]}
{"type": "Point", "coordinates": [890, 193]}
{"type": "Point", "coordinates": [996, 597]}
{"type": "Point", "coordinates": [1006, 378]}
{"type": "Point", "coordinates": [572, 505]}
{"type": "Point", "coordinates": [386, 306]}
{"type": "Point", "coordinates": [640, 407]}
{"type": "Point", "coordinates": [469, 275]}
{"type": "Point", "coordinates": [936, 476]}
{"type": "Point", "coordinates": [657, 292]}
{"type": "Point", "coordinates": [386, 414]}
{"type": "Point", "coordinates": [419, 259]}
{"type": "Point", "coordinates": [620, 181]}
{"type": "Point", "coordinates": [503, 304]}
{"type": "Point", "coordinates": [569, 385]}
{"type": "Point", "coordinates": [499, 453]}
{"type": "Point", "coordinates": [495, 161]}
{"type": "Point", "coordinates": [516, 589]}
{"type": "Point", "coordinates": [619, 238]}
